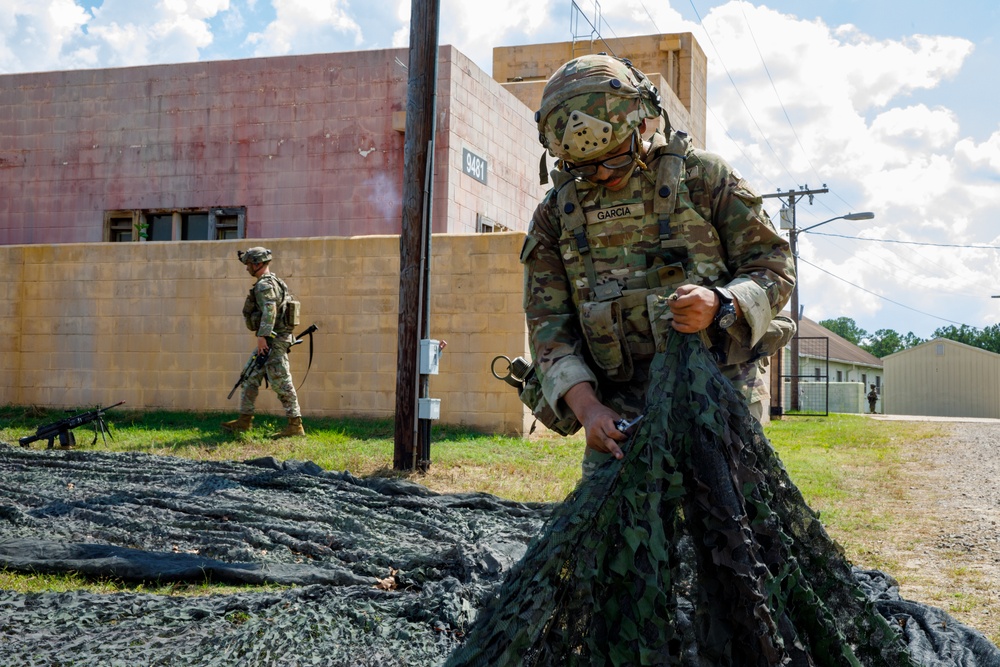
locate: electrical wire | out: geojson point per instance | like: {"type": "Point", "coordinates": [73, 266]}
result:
{"type": "Point", "coordinates": [921, 243]}
{"type": "Point", "coordinates": [776, 94]}
{"type": "Point", "coordinates": [884, 298]}
{"type": "Point", "coordinates": [901, 263]}
{"type": "Point", "coordinates": [739, 94]}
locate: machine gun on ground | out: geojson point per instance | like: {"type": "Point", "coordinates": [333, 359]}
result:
{"type": "Point", "coordinates": [63, 429]}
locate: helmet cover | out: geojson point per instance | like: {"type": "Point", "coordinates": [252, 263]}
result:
{"type": "Point", "coordinates": [255, 255]}
{"type": "Point", "coordinates": [592, 104]}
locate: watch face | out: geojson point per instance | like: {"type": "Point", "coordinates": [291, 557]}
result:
{"type": "Point", "coordinates": [726, 317]}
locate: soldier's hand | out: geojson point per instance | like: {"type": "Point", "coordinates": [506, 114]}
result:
{"type": "Point", "coordinates": [598, 419]}
{"type": "Point", "coordinates": [262, 345]}
{"type": "Point", "coordinates": [694, 308]}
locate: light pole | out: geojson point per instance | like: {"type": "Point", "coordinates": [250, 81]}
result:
{"type": "Point", "coordinates": [793, 234]}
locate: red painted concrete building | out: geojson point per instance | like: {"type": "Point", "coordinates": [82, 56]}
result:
{"type": "Point", "coordinates": [272, 147]}
{"type": "Point", "coordinates": [288, 147]}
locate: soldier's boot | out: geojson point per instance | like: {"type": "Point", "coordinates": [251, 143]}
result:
{"type": "Point", "coordinates": [293, 428]}
{"type": "Point", "coordinates": [240, 425]}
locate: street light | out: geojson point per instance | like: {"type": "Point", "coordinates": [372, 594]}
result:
{"type": "Point", "coordinates": [793, 234]}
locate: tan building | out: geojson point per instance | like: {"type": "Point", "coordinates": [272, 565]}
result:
{"type": "Point", "coordinates": [674, 63]}
{"type": "Point", "coordinates": [943, 378]}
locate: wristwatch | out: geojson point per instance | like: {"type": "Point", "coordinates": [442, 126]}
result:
{"type": "Point", "coordinates": [726, 317]}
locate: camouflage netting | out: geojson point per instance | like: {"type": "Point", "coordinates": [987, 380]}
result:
{"type": "Point", "coordinates": [737, 572]}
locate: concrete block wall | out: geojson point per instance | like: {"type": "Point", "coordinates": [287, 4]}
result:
{"type": "Point", "coordinates": [159, 325]}
{"type": "Point", "coordinates": [493, 124]}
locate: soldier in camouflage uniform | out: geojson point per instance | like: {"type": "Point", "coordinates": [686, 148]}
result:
{"type": "Point", "coordinates": [635, 238]}
{"type": "Point", "coordinates": [264, 315]}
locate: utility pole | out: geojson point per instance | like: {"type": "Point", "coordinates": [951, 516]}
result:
{"type": "Point", "coordinates": [414, 240]}
{"type": "Point", "coordinates": [789, 215]}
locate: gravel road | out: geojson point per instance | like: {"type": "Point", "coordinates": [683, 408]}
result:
{"type": "Point", "coordinates": [950, 550]}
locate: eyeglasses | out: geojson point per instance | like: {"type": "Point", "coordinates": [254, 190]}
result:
{"type": "Point", "coordinates": [616, 162]}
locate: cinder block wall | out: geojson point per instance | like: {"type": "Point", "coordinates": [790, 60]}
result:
{"type": "Point", "coordinates": [159, 325]}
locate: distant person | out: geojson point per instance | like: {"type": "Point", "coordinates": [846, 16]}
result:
{"type": "Point", "coordinates": [872, 399]}
{"type": "Point", "coordinates": [268, 313]}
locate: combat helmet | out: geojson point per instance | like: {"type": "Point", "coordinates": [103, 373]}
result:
{"type": "Point", "coordinates": [592, 104]}
{"type": "Point", "coordinates": [255, 255]}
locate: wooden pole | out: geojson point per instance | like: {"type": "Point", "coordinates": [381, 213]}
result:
{"type": "Point", "coordinates": [419, 144]}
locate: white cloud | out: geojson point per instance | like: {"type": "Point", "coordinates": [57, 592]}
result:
{"type": "Point", "coordinates": [983, 158]}
{"type": "Point", "coordinates": [857, 129]}
{"type": "Point", "coordinates": [308, 26]}
{"type": "Point", "coordinates": [61, 34]}
{"type": "Point", "coordinates": [36, 34]}
{"type": "Point", "coordinates": [859, 114]}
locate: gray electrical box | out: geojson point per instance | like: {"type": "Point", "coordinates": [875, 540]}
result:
{"type": "Point", "coordinates": [429, 408]}
{"type": "Point", "coordinates": [785, 218]}
{"type": "Point", "coordinates": [430, 356]}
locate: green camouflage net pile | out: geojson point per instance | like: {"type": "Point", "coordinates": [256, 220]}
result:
{"type": "Point", "coordinates": [695, 550]}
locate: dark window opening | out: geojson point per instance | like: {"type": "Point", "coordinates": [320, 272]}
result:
{"type": "Point", "coordinates": [175, 225]}
{"type": "Point", "coordinates": [226, 227]}
{"type": "Point", "coordinates": [120, 229]}
{"type": "Point", "coordinates": [161, 227]}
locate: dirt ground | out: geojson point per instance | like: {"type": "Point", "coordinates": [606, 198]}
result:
{"type": "Point", "coordinates": [945, 545]}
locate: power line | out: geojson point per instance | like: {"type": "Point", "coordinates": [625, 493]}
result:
{"type": "Point", "coordinates": [776, 94]}
{"type": "Point", "coordinates": [884, 298]}
{"type": "Point", "coordinates": [739, 94]}
{"type": "Point", "coordinates": [936, 245]}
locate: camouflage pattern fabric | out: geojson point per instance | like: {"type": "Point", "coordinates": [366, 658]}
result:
{"type": "Point", "coordinates": [279, 375]}
{"type": "Point", "coordinates": [267, 295]}
{"type": "Point", "coordinates": [695, 549]}
{"type": "Point", "coordinates": [718, 236]}
{"type": "Point", "coordinates": [591, 105]}
{"type": "Point", "coordinates": [263, 307]}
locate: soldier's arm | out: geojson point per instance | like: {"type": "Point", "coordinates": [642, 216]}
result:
{"type": "Point", "coordinates": [759, 259]}
{"type": "Point", "coordinates": [267, 301]}
{"type": "Point", "coordinates": [553, 330]}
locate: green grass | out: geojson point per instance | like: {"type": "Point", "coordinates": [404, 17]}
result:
{"type": "Point", "coordinates": [463, 459]}
{"type": "Point", "coordinates": [847, 467]}
{"type": "Point", "coordinates": [839, 461]}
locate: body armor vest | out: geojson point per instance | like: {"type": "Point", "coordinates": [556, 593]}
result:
{"type": "Point", "coordinates": [627, 251]}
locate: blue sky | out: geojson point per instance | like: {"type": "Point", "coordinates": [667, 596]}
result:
{"type": "Point", "coordinates": [889, 103]}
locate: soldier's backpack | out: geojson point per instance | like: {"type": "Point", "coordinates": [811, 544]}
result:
{"type": "Point", "coordinates": [289, 309]}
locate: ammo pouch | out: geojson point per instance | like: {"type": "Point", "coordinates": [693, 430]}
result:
{"type": "Point", "coordinates": [779, 332]}
{"type": "Point", "coordinates": [251, 314]}
{"type": "Point", "coordinates": [604, 330]}
{"type": "Point", "coordinates": [291, 311]}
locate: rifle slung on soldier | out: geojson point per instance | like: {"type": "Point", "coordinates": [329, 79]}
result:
{"type": "Point", "coordinates": [258, 359]}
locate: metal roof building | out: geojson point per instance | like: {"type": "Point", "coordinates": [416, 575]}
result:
{"type": "Point", "coordinates": [943, 378]}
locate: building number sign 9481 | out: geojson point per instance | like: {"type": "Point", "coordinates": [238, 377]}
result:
{"type": "Point", "coordinates": [474, 165]}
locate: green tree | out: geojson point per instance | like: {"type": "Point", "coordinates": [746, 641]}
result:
{"type": "Point", "coordinates": [910, 340]}
{"type": "Point", "coordinates": [884, 342]}
{"type": "Point", "coordinates": [847, 328]}
{"type": "Point", "coordinates": [986, 339]}
{"type": "Point", "coordinates": [990, 338]}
